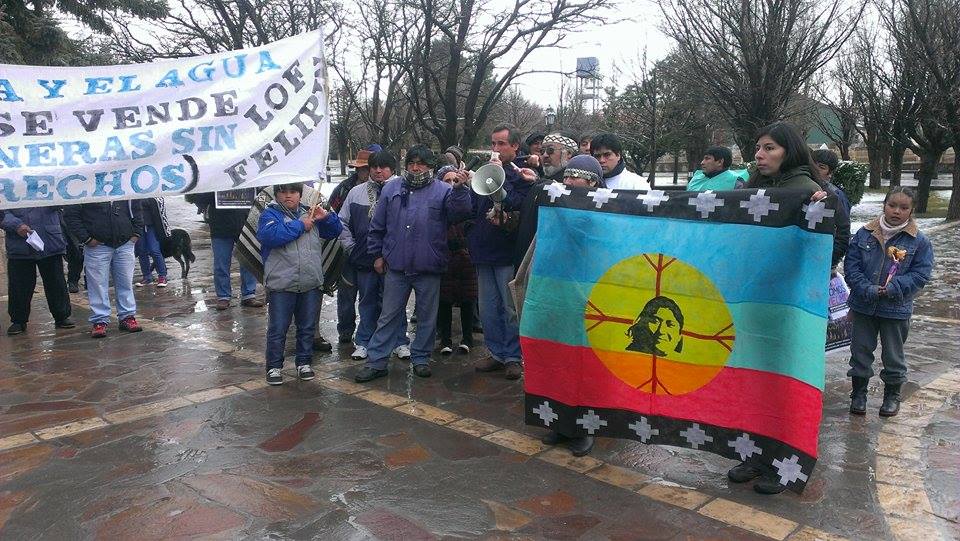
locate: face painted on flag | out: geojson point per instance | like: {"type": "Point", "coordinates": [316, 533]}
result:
{"type": "Point", "coordinates": [683, 334]}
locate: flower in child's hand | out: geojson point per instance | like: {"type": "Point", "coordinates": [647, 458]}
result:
{"type": "Point", "coordinates": [896, 254]}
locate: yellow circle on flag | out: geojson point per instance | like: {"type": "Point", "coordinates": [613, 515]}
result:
{"type": "Point", "coordinates": [659, 324]}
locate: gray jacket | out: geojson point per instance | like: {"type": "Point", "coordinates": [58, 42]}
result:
{"type": "Point", "coordinates": [292, 257]}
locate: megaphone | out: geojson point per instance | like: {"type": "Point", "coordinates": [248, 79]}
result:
{"type": "Point", "coordinates": [488, 181]}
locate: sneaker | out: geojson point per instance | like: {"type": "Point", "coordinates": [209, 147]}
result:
{"type": "Point", "coordinates": [305, 372]}
{"type": "Point", "coordinates": [99, 330]}
{"type": "Point", "coordinates": [222, 304]}
{"type": "Point", "coordinates": [422, 370]}
{"type": "Point", "coordinates": [369, 374]}
{"type": "Point", "coordinates": [274, 376]}
{"type": "Point", "coordinates": [447, 348]}
{"type": "Point", "coordinates": [463, 348]}
{"type": "Point", "coordinates": [402, 352]}
{"type": "Point", "coordinates": [321, 344]}
{"type": "Point", "coordinates": [359, 353]}
{"type": "Point", "coordinates": [252, 302]}
{"type": "Point", "coordinates": [65, 324]}
{"type": "Point", "coordinates": [142, 283]}
{"type": "Point", "coordinates": [73, 287]}
{"type": "Point", "coordinates": [513, 370]}
{"type": "Point", "coordinates": [162, 281]}
{"type": "Point", "coordinates": [130, 325]}
{"type": "Point", "coordinates": [16, 328]}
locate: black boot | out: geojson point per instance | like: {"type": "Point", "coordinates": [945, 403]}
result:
{"type": "Point", "coordinates": [581, 446]}
{"type": "Point", "coordinates": [858, 396]}
{"type": "Point", "coordinates": [553, 437]}
{"type": "Point", "coordinates": [891, 400]}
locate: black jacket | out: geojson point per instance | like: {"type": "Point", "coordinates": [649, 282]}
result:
{"type": "Point", "coordinates": [224, 223]}
{"type": "Point", "coordinates": [527, 228]}
{"type": "Point", "coordinates": [112, 223]}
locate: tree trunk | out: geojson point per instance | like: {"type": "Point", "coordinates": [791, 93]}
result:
{"type": "Point", "coordinates": [928, 172]}
{"type": "Point", "coordinates": [844, 151]}
{"type": "Point", "coordinates": [876, 166]}
{"type": "Point", "coordinates": [652, 177]}
{"type": "Point", "coordinates": [896, 166]}
{"type": "Point", "coordinates": [676, 166]}
{"type": "Point", "coordinates": [953, 210]}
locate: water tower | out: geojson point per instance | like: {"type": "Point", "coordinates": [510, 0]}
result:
{"type": "Point", "coordinates": [588, 81]}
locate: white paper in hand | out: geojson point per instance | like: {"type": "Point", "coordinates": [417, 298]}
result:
{"type": "Point", "coordinates": [33, 239]}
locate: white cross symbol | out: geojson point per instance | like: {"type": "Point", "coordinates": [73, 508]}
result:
{"type": "Point", "coordinates": [789, 470]}
{"type": "Point", "coordinates": [745, 447]}
{"type": "Point", "coordinates": [643, 429]}
{"type": "Point", "coordinates": [759, 205]}
{"type": "Point", "coordinates": [695, 436]}
{"type": "Point", "coordinates": [653, 198]}
{"type": "Point", "coordinates": [591, 422]}
{"type": "Point", "coordinates": [706, 202]}
{"type": "Point", "coordinates": [602, 195]}
{"type": "Point", "coordinates": [556, 190]}
{"type": "Point", "coordinates": [815, 213]}
{"type": "Point", "coordinates": [546, 414]}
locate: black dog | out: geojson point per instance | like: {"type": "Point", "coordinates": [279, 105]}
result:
{"type": "Point", "coordinates": [178, 246]}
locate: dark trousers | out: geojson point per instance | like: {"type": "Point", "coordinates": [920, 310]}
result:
{"type": "Point", "coordinates": [445, 322]}
{"type": "Point", "coordinates": [22, 280]}
{"type": "Point", "coordinates": [74, 263]}
{"type": "Point", "coordinates": [893, 334]}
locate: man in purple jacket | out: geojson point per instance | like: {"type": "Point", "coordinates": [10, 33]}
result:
{"type": "Point", "coordinates": [408, 241]}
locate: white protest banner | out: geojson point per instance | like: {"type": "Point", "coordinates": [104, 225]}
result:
{"type": "Point", "coordinates": [232, 120]}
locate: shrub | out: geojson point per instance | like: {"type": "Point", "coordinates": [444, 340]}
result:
{"type": "Point", "coordinates": [851, 177]}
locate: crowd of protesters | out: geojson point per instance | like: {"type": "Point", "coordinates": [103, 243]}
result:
{"type": "Point", "coordinates": [419, 229]}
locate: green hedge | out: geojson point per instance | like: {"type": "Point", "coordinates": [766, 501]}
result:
{"type": "Point", "coordinates": [851, 177]}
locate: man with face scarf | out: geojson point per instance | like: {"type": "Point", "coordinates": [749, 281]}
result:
{"type": "Point", "coordinates": [407, 240]}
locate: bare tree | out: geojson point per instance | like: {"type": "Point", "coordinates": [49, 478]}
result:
{"type": "Point", "coordinates": [928, 35]}
{"type": "Point", "coordinates": [515, 109]}
{"type": "Point", "coordinates": [754, 57]}
{"type": "Point", "coordinates": [466, 53]}
{"type": "Point", "coordinates": [837, 118]}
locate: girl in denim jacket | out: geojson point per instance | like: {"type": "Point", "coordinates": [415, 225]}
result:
{"type": "Point", "coordinates": [882, 290]}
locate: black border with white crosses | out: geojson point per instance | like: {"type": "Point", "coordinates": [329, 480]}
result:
{"type": "Point", "coordinates": [791, 466]}
{"type": "Point", "coordinates": [769, 207]}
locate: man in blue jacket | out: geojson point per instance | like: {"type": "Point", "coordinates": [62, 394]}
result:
{"type": "Point", "coordinates": [24, 260]}
{"type": "Point", "coordinates": [408, 241]}
{"type": "Point", "coordinates": [491, 247]}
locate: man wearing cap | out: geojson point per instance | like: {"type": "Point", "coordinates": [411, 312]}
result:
{"type": "Point", "coordinates": [608, 150]}
{"type": "Point", "coordinates": [556, 151]}
{"type": "Point", "coordinates": [347, 289]}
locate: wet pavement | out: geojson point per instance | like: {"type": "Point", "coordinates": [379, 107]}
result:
{"type": "Point", "coordinates": [171, 433]}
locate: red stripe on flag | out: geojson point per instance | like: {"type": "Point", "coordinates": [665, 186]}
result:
{"type": "Point", "coordinates": [759, 402]}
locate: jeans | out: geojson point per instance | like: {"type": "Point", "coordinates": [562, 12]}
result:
{"type": "Point", "coordinates": [370, 287]}
{"type": "Point", "coordinates": [396, 292]}
{"type": "Point", "coordinates": [100, 264]}
{"type": "Point", "coordinates": [347, 291]}
{"type": "Point", "coordinates": [222, 256]}
{"type": "Point", "coordinates": [22, 280]}
{"type": "Point", "coordinates": [501, 332]}
{"type": "Point", "coordinates": [893, 334]}
{"type": "Point", "coordinates": [283, 307]}
{"type": "Point", "coordinates": [149, 248]}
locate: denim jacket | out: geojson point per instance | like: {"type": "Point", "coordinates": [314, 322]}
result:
{"type": "Point", "coordinates": [867, 265]}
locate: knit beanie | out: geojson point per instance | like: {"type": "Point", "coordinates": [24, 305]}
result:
{"type": "Point", "coordinates": [586, 167]}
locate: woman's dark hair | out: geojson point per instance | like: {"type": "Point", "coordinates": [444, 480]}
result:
{"type": "Point", "coordinates": [638, 332]}
{"type": "Point", "coordinates": [383, 159]}
{"type": "Point", "coordinates": [421, 152]}
{"type": "Point", "coordinates": [796, 151]}
{"type": "Point", "coordinates": [909, 192]}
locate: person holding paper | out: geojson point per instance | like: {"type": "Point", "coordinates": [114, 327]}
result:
{"type": "Point", "coordinates": [35, 242]}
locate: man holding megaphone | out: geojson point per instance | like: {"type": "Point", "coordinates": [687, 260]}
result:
{"type": "Point", "coordinates": [498, 189]}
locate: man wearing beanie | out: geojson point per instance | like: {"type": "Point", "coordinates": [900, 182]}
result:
{"type": "Point", "coordinates": [608, 150]}
{"type": "Point", "coordinates": [407, 239]}
{"type": "Point", "coordinates": [582, 171]}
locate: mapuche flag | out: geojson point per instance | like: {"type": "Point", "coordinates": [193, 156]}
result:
{"type": "Point", "coordinates": [681, 318]}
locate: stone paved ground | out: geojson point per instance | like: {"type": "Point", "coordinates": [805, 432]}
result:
{"type": "Point", "coordinates": [171, 433]}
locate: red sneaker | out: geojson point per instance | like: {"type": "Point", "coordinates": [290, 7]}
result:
{"type": "Point", "coordinates": [130, 325]}
{"type": "Point", "coordinates": [99, 330]}
{"type": "Point", "coordinates": [162, 281]}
